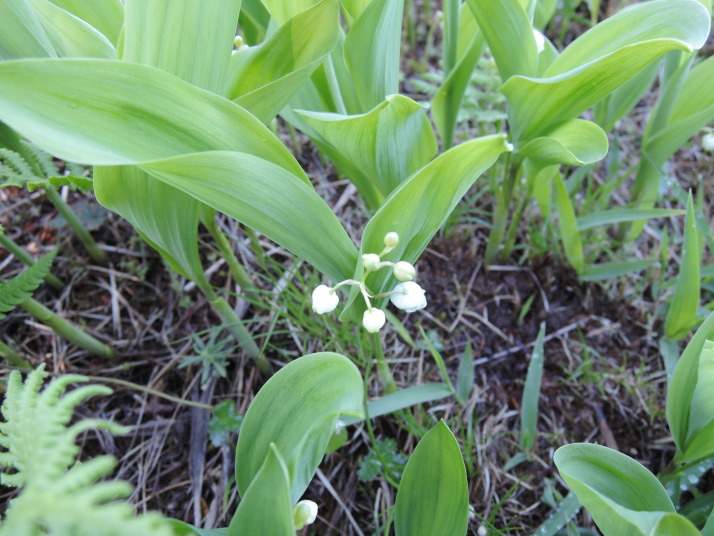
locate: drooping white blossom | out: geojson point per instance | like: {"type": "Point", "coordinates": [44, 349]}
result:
{"type": "Point", "coordinates": [408, 296]}
{"type": "Point", "coordinates": [324, 299]}
{"type": "Point", "coordinates": [304, 513]}
{"type": "Point", "coordinates": [373, 320]}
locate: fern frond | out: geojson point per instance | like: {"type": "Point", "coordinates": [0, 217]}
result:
{"type": "Point", "coordinates": [61, 497]}
{"type": "Point", "coordinates": [41, 158]}
{"type": "Point", "coordinates": [14, 169]}
{"type": "Point", "coordinates": [21, 287]}
{"type": "Point", "coordinates": [75, 182]}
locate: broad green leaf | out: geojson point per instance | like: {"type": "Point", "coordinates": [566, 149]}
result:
{"type": "Point", "coordinates": [421, 205]}
{"type": "Point", "coordinates": [544, 11]}
{"type": "Point", "coordinates": [683, 305]}
{"type": "Point", "coordinates": [683, 385]}
{"type": "Point", "coordinates": [246, 188]}
{"type": "Point", "coordinates": [575, 142]}
{"type": "Point", "coordinates": [107, 16]}
{"type": "Point", "coordinates": [566, 510]}
{"type": "Point", "coordinates": [700, 438]}
{"type": "Point", "coordinates": [447, 101]}
{"type": "Point", "coordinates": [509, 35]}
{"type": "Point", "coordinates": [89, 123]}
{"type": "Point", "coordinates": [372, 51]}
{"type": "Point", "coordinates": [600, 272]}
{"type": "Point", "coordinates": [708, 529]}
{"type": "Point", "coordinates": [693, 108]}
{"type": "Point", "coordinates": [531, 393]}
{"type": "Point", "coordinates": [452, 15]}
{"type": "Point", "coordinates": [112, 113]}
{"type": "Point", "coordinates": [569, 234]}
{"type": "Point", "coordinates": [21, 33]}
{"type": "Point", "coordinates": [284, 10]}
{"type": "Point", "coordinates": [297, 410]}
{"type": "Point", "coordinates": [71, 36]}
{"type": "Point", "coordinates": [165, 217]}
{"type": "Point", "coordinates": [406, 398]}
{"type": "Point", "coordinates": [433, 495]}
{"type": "Point", "coordinates": [263, 78]}
{"type": "Point", "coordinates": [266, 506]}
{"type": "Point", "coordinates": [353, 9]}
{"type": "Point", "coordinates": [611, 109]}
{"type": "Point", "coordinates": [620, 215]}
{"type": "Point", "coordinates": [184, 529]}
{"type": "Point", "coordinates": [622, 496]}
{"type": "Point", "coordinates": [383, 147]}
{"type": "Point", "coordinates": [191, 39]}
{"type": "Point", "coordinates": [601, 60]}
{"type": "Point", "coordinates": [465, 375]}
{"type": "Point", "coordinates": [674, 524]}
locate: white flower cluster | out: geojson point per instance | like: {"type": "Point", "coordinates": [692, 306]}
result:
{"type": "Point", "coordinates": [407, 295]}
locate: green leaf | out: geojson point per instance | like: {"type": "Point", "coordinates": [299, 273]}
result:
{"type": "Point", "coordinates": [224, 421]}
{"type": "Point", "coordinates": [601, 60]}
{"type": "Point", "coordinates": [600, 272]}
{"type": "Point", "coordinates": [279, 205]}
{"type": "Point", "coordinates": [411, 396]}
{"type": "Point", "coordinates": [531, 393]}
{"type": "Point", "coordinates": [372, 51]}
{"type": "Point", "coordinates": [297, 410]}
{"type": "Point", "coordinates": [622, 496]}
{"type": "Point", "coordinates": [19, 288]}
{"type": "Point", "coordinates": [107, 16]}
{"type": "Point", "coordinates": [184, 529]}
{"type": "Point", "coordinates": [421, 205]}
{"type": "Point", "coordinates": [71, 36]}
{"type": "Point", "coordinates": [263, 78]}
{"type": "Point", "coordinates": [446, 103]}
{"type": "Point", "coordinates": [465, 375]}
{"type": "Point", "coordinates": [671, 524]}
{"type": "Point", "coordinates": [683, 385]}
{"type": "Point", "coordinates": [21, 33]}
{"type": "Point", "coordinates": [433, 495]}
{"type": "Point", "coordinates": [700, 437]}
{"type": "Point", "coordinates": [509, 35]}
{"type": "Point", "coordinates": [575, 142]}
{"type": "Point", "coordinates": [683, 305]}
{"type": "Point", "coordinates": [623, 99]}
{"type": "Point", "coordinates": [620, 215]}
{"type": "Point", "coordinates": [381, 148]}
{"type": "Point", "coordinates": [191, 39]}
{"type": "Point", "coordinates": [266, 507]}
{"type": "Point", "coordinates": [569, 234]}
{"type": "Point", "coordinates": [284, 10]}
{"type": "Point", "coordinates": [353, 9]}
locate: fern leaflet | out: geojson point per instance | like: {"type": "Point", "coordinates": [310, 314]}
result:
{"type": "Point", "coordinates": [21, 287]}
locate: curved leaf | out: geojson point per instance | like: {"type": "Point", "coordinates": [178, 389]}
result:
{"type": "Point", "coordinates": [71, 36]}
{"type": "Point", "coordinates": [297, 410]}
{"type": "Point", "coordinates": [266, 507]}
{"type": "Point", "coordinates": [575, 142]}
{"type": "Point", "coordinates": [244, 187]}
{"type": "Point", "coordinates": [263, 78]}
{"type": "Point", "coordinates": [600, 61]}
{"type": "Point", "coordinates": [671, 524]}
{"type": "Point", "coordinates": [433, 496]}
{"type": "Point", "coordinates": [21, 33]}
{"type": "Point", "coordinates": [372, 51]}
{"type": "Point", "coordinates": [509, 35]}
{"type": "Point", "coordinates": [420, 205]}
{"type": "Point", "coordinates": [284, 10]}
{"type": "Point", "coordinates": [683, 385]}
{"type": "Point", "coordinates": [384, 146]}
{"type": "Point", "coordinates": [623, 497]}
{"type": "Point", "coordinates": [107, 16]}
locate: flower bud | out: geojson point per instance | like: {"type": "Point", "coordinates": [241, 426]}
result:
{"type": "Point", "coordinates": [408, 296]}
{"type": "Point", "coordinates": [371, 261]}
{"type": "Point", "coordinates": [373, 320]}
{"type": "Point", "coordinates": [324, 299]}
{"type": "Point", "coordinates": [391, 239]}
{"type": "Point", "coordinates": [539, 40]}
{"type": "Point", "coordinates": [708, 142]}
{"type": "Point", "coordinates": [304, 513]}
{"type": "Point", "coordinates": [404, 271]}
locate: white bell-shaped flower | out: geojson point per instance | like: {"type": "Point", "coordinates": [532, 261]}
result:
{"type": "Point", "coordinates": [324, 299]}
{"type": "Point", "coordinates": [539, 39]}
{"type": "Point", "coordinates": [408, 296]}
{"type": "Point", "coordinates": [404, 271]}
{"type": "Point", "coordinates": [391, 240]}
{"type": "Point", "coordinates": [304, 513]}
{"type": "Point", "coordinates": [708, 142]}
{"type": "Point", "coordinates": [373, 320]}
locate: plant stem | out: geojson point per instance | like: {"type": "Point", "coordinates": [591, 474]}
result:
{"type": "Point", "coordinates": [77, 226]}
{"type": "Point", "coordinates": [12, 357]}
{"type": "Point", "coordinates": [385, 374]}
{"type": "Point", "coordinates": [67, 330]}
{"type": "Point", "coordinates": [504, 196]}
{"type": "Point", "coordinates": [513, 227]}
{"type": "Point", "coordinates": [26, 258]}
{"type": "Point", "coordinates": [334, 86]}
{"type": "Point", "coordinates": [238, 271]}
{"type": "Point", "coordinates": [239, 331]}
